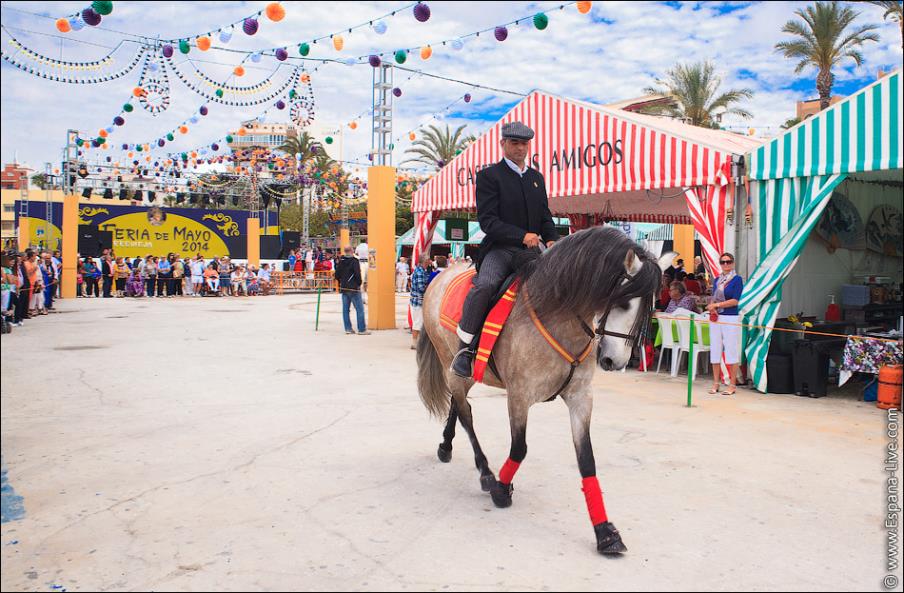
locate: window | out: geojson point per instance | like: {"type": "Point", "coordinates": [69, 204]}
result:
{"type": "Point", "coordinates": [9, 207]}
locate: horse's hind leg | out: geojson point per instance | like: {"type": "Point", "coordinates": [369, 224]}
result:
{"type": "Point", "coordinates": [608, 540]}
{"type": "Point", "coordinates": [487, 479]}
{"type": "Point", "coordinates": [502, 489]}
{"type": "Point", "coordinates": [444, 451]}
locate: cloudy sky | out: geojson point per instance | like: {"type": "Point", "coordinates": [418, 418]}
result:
{"type": "Point", "coordinates": [610, 54]}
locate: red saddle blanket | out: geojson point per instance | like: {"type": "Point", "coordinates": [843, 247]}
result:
{"type": "Point", "coordinates": [450, 314]}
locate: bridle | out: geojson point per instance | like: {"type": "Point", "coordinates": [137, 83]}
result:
{"type": "Point", "coordinates": [601, 331]}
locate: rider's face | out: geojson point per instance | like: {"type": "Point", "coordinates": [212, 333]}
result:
{"type": "Point", "coordinates": [515, 150]}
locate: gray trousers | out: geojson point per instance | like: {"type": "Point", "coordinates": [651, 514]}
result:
{"type": "Point", "coordinates": [494, 269]}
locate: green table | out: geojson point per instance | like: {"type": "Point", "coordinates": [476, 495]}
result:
{"type": "Point", "coordinates": [704, 332]}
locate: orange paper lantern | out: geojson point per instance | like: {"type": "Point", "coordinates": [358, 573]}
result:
{"type": "Point", "coordinates": [426, 52]}
{"type": "Point", "coordinates": [203, 43]}
{"type": "Point", "coordinates": [584, 7]}
{"type": "Point", "coordinates": [305, 78]}
{"type": "Point", "coordinates": [138, 91]}
{"type": "Point", "coordinates": [102, 133]}
{"type": "Point", "coordinates": [411, 136]}
{"type": "Point", "coordinates": [353, 125]}
{"type": "Point", "coordinates": [275, 11]}
{"type": "Point", "coordinates": [183, 129]}
{"type": "Point", "coordinates": [239, 71]}
{"type": "Point", "coordinates": [63, 26]}
{"type": "Point", "coordinates": [241, 132]}
{"type": "Point", "coordinates": [338, 42]}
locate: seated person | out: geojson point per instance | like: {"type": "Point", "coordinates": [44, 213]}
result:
{"type": "Point", "coordinates": [693, 285]}
{"type": "Point", "coordinates": [680, 298]}
{"type": "Point", "coordinates": [263, 278]}
{"type": "Point", "coordinates": [251, 281]}
{"type": "Point", "coordinates": [135, 284]}
{"type": "Point", "coordinates": [238, 281]}
{"type": "Point", "coordinates": [212, 277]}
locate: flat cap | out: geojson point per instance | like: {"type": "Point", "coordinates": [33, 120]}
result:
{"type": "Point", "coordinates": [517, 131]}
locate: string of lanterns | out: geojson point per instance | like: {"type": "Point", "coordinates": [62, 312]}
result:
{"type": "Point", "coordinates": [217, 96]}
{"type": "Point", "coordinates": [91, 15]}
{"type": "Point", "coordinates": [93, 65]}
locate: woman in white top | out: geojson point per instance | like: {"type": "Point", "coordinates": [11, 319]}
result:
{"type": "Point", "coordinates": [238, 281]}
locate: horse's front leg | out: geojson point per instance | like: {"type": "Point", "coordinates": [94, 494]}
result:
{"type": "Point", "coordinates": [502, 489]}
{"type": "Point", "coordinates": [608, 540]}
{"type": "Point", "coordinates": [444, 451]}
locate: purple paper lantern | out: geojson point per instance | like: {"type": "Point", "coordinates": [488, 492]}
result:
{"type": "Point", "coordinates": [374, 60]}
{"type": "Point", "coordinates": [282, 54]}
{"type": "Point", "coordinates": [161, 142]}
{"type": "Point", "coordinates": [421, 12]}
{"type": "Point", "coordinates": [167, 51]}
{"type": "Point", "coordinates": [501, 33]}
{"type": "Point", "coordinates": [95, 143]}
{"type": "Point", "coordinates": [467, 97]}
{"type": "Point", "coordinates": [125, 147]}
{"type": "Point", "coordinates": [280, 104]}
{"type": "Point", "coordinates": [250, 26]}
{"type": "Point", "coordinates": [397, 92]}
{"type": "Point", "coordinates": [215, 147]}
{"type": "Point", "coordinates": [118, 120]}
{"type": "Point", "coordinates": [203, 110]}
{"type": "Point", "coordinates": [91, 17]}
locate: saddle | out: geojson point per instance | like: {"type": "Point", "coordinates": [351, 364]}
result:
{"type": "Point", "coordinates": [500, 307]}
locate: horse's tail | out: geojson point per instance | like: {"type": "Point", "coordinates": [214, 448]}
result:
{"type": "Point", "coordinates": [431, 378]}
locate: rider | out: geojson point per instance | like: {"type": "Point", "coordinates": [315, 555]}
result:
{"type": "Point", "coordinates": [513, 211]}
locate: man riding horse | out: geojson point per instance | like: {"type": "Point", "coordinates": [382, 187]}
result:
{"type": "Point", "coordinates": [513, 211]}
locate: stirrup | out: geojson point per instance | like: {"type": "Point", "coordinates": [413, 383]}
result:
{"type": "Point", "coordinates": [465, 356]}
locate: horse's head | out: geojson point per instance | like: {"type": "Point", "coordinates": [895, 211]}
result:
{"type": "Point", "coordinates": [628, 310]}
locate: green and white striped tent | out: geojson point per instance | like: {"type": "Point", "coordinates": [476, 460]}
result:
{"type": "Point", "coordinates": [791, 181]}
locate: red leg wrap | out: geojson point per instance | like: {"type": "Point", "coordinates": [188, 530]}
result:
{"type": "Point", "coordinates": [594, 497]}
{"type": "Point", "coordinates": [507, 473]}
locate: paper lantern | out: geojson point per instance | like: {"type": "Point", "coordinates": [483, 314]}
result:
{"type": "Point", "coordinates": [219, 93]}
{"type": "Point", "coordinates": [239, 71]}
{"type": "Point", "coordinates": [118, 120]}
{"type": "Point", "coordinates": [203, 43]}
{"type": "Point", "coordinates": [203, 110]}
{"type": "Point", "coordinates": [275, 12]}
{"type": "Point", "coordinates": [184, 47]}
{"type": "Point", "coordinates": [76, 23]}
{"type": "Point", "coordinates": [397, 92]}
{"type": "Point", "coordinates": [541, 21]}
{"type": "Point", "coordinates": [90, 16]}
{"type": "Point", "coordinates": [282, 54]}
{"type": "Point", "coordinates": [228, 139]}
{"type": "Point", "coordinates": [101, 140]}
{"type": "Point", "coordinates": [467, 97]}
{"type": "Point", "coordinates": [167, 51]}
{"type": "Point", "coordinates": [353, 125]}
{"type": "Point", "coordinates": [215, 147]}
{"type": "Point", "coordinates": [328, 139]}
{"type": "Point", "coordinates": [242, 132]}
{"type": "Point", "coordinates": [138, 91]}
{"type": "Point", "coordinates": [280, 104]}
{"type": "Point", "coordinates": [426, 52]}
{"type": "Point", "coordinates": [304, 49]}
{"type": "Point", "coordinates": [170, 137]}
{"type": "Point", "coordinates": [421, 12]}
{"type": "Point", "coordinates": [103, 7]}
{"type": "Point", "coordinates": [102, 133]}
{"type": "Point", "coordinates": [256, 57]}
{"type": "Point", "coordinates": [374, 60]}
{"type": "Point", "coordinates": [457, 44]}
{"type": "Point", "coordinates": [183, 129]}
{"type": "Point", "coordinates": [500, 33]}
{"type": "Point", "coordinates": [338, 42]}
{"type": "Point", "coordinates": [226, 35]}
{"type": "Point", "coordinates": [161, 143]}
{"type": "Point", "coordinates": [63, 25]}
{"type": "Point", "coordinates": [584, 7]}
{"type": "Point", "coordinates": [400, 56]}
{"type": "Point", "coordinates": [194, 119]}
{"type": "Point", "coordinates": [250, 26]}
{"type": "Point", "coordinates": [411, 136]}
{"type": "Point", "coordinates": [380, 27]}
{"type": "Point", "coordinates": [306, 78]}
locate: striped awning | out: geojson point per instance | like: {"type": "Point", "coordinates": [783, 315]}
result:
{"type": "Point", "coordinates": [861, 133]}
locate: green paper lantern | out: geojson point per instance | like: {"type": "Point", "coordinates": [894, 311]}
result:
{"type": "Point", "coordinates": [292, 94]}
{"type": "Point", "coordinates": [128, 108]}
{"type": "Point", "coordinates": [541, 21]}
{"type": "Point", "coordinates": [101, 7]}
{"type": "Point", "coordinates": [392, 147]}
{"type": "Point", "coordinates": [219, 93]}
{"type": "Point", "coordinates": [139, 148]}
{"type": "Point", "coordinates": [304, 49]}
{"type": "Point", "coordinates": [79, 142]}
{"type": "Point", "coordinates": [400, 56]}
{"type": "Point", "coordinates": [228, 139]}
{"type": "Point", "coordinates": [184, 156]}
{"type": "Point", "coordinates": [328, 139]}
{"type": "Point", "coordinates": [270, 166]}
{"type": "Point", "coordinates": [170, 137]}
{"type": "Point", "coordinates": [184, 47]}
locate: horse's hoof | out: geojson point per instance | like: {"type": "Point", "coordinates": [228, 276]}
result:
{"type": "Point", "coordinates": [608, 540]}
{"type": "Point", "coordinates": [486, 482]}
{"type": "Point", "coordinates": [501, 494]}
{"type": "Point", "coordinates": [445, 455]}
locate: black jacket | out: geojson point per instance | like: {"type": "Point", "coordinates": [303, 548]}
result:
{"type": "Point", "coordinates": [509, 206]}
{"type": "Point", "coordinates": [348, 273]}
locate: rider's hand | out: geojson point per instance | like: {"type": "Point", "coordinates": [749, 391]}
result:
{"type": "Point", "coordinates": [550, 244]}
{"type": "Point", "coordinates": [531, 240]}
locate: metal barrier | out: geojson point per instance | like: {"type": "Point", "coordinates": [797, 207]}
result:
{"type": "Point", "coordinates": [303, 281]}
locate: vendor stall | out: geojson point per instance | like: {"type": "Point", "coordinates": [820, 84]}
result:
{"type": "Point", "coordinates": [850, 156]}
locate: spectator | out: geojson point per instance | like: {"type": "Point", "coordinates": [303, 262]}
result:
{"type": "Point", "coordinates": [35, 280]}
{"type": "Point", "coordinates": [197, 274]}
{"type": "Point", "coordinates": [212, 277]}
{"type": "Point", "coordinates": [135, 283]}
{"type": "Point", "coordinates": [297, 265]}
{"type": "Point", "coordinates": [725, 336]}
{"type": "Point", "coordinates": [251, 281]}
{"type": "Point", "coordinates": [441, 264]}
{"type": "Point", "coordinates": [189, 287]}
{"type": "Point", "coordinates": [150, 276]}
{"type": "Point", "coordinates": [402, 273]}
{"type": "Point", "coordinates": [49, 278]}
{"type": "Point", "coordinates": [106, 271]}
{"type": "Point", "coordinates": [292, 259]}
{"type": "Point", "coordinates": [238, 281]}
{"type": "Point", "coordinates": [679, 298]}
{"type": "Point", "coordinates": [92, 275]}
{"type": "Point", "coordinates": [120, 274]}
{"type": "Point", "coordinates": [178, 275]}
{"type": "Point", "coordinates": [692, 284]}
{"type": "Point", "coordinates": [664, 290]}
{"type": "Point", "coordinates": [164, 276]}
{"type": "Point", "coordinates": [263, 279]}
{"type": "Point", "coordinates": [9, 285]}
{"type": "Point", "coordinates": [225, 269]}
{"type": "Point", "coordinates": [79, 277]}
{"type": "Point", "coordinates": [362, 252]}
{"type": "Point", "coordinates": [418, 288]}
{"type": "Point", "coordinates": [348, 273]}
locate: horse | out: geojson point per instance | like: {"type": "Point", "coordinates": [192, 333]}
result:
{"type": "Point", "coordinates": [594, 275]}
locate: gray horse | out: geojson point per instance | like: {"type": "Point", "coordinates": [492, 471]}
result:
{"type": "Point", "coordinates": [595, 275]}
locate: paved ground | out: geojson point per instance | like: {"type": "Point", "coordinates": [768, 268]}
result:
{"type": "Point", "coordinates": [214, 444]}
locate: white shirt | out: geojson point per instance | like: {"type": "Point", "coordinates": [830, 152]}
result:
{"type": "Point", "coordinates": [361, 252]}
{"type": "Point", "coordinates": [402, 268]}
{"type": "Point", "coordinates": [197, 267]}
{"type": "Point", "coordinates": [263, 274]}
{"type": "Point", "coordinates": [515, 168]}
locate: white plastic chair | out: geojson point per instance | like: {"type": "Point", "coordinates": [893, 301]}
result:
{"type": "Point", "coordinates": [668, 340]}
{"type": "Point", "coordinates": [684, 338]}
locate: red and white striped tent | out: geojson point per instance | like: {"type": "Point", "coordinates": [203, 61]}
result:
{"type": "Point", "coordinates": [603, 162]}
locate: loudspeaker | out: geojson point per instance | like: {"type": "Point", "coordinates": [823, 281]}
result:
{"type": "Point", "coordinates": [270, 247]}
{"type": "Point", "coordinates": [290, 240]}
{"type": "Point", "coordinates": [92, 241]}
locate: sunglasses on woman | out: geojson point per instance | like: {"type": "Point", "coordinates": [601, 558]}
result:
{"type": "Point", "coordinates": [726, 261]}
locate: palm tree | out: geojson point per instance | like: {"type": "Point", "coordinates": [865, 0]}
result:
{"type": "Point", "coordinates": [893, 11]}
{"type": "Point", "coordinates": [436, 147]}
{"type": "Point", "coordinates": [299, 145]}
{"type": "Point", "coordinates": [822, 42]}
{"type": "Point", "coordinates": [695, 89]}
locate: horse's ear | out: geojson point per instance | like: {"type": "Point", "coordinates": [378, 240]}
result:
{"type": "Point", "coordinates": [666, 259]}
{"type": "Point", "coordinates": [632, 263]}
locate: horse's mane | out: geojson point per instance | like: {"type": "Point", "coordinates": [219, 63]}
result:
{"type": "Point", "coordinates": [582, 274]}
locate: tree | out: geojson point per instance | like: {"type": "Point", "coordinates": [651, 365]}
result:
{"type": "Point", "coordinates": [790, 123]}
{"type": "Point", "coordinates": [825, 38]}
{"type": "Point", "coordinates": [436, 147]}
{"type": "Point", "coordinates": [40, 180]}
{"type": "Point", "coordinates": [299, 145]}
{"type": "Point", "coordinates": [695, 89]}
{"type": "Point", "coordinates": [893, 11]}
